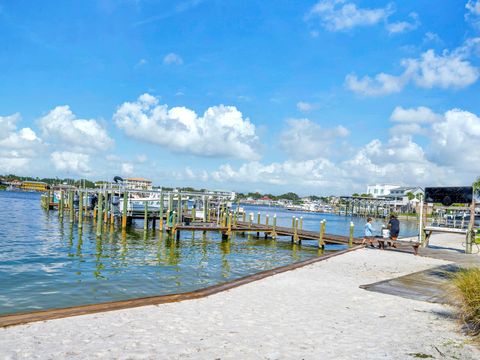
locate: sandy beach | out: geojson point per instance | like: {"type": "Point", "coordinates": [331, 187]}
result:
{"type": "Point", "coordinates": [314, 312]}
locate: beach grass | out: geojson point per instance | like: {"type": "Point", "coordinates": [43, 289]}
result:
{"type": "Point", "coordinates": [467, 289]}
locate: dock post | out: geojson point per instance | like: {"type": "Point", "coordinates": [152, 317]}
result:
{"type": "Point", "coordinates": [243, 216]}
{"type": "Point", "coordinates": [47, 202]}
{"type": "Point", "coordinates": [160, 213]}
{"type": "Point", "coordinates": [124, 210]}
{"type": "Point", "coordinates": [80, 210]}
{"type": "Point", "coordinates": [321, 242]}
{"type": "Point", "coordinates": [112, 213]}
{"type": "Point", "coordinates": [266, 223]}
{"type": "Point", "coordinates": [229, 231]}
{"type": "Point", "coordinates": [295, 232]}
{"type": "Point", "coordinates": [60, 204]}
{"type": "Point", "coordinates": [105, 211]}
{"type": "Point", "coordinates": [250, 220]}
{"type": "Point", "coordinates": [174, 223]}
{"type": "Point", "coordinates": [258, 222]}
{"type": "Point", "coordinates": [301, 223]}
{"type": "Point", "coordinates": [224, 218]}
{"type": "Point", "coordinates": [293, 222]}
{"type": "Point", "coordinates": [194, 214]}
{"type": "Point", "coordinates": [350, 239]}
{"type": "Point", "coordinates": [99, 214]}
{"type": "Point", "coordinates": [170, 203]}
{"type": "Point", "coordinates": [145, 216]}
{"type": "Point", "coordinates": [274, 227]}
{"type": "Point", "coordinates": [179, 208]}
{"type": "Point", "coordinates": [71, 208]}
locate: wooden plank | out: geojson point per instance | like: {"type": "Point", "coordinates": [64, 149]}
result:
{"type": "Point", "coordinates": [445, 229]}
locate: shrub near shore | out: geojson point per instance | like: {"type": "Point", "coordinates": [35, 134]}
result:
{"type": "Point", "coordinates": [467, 285]}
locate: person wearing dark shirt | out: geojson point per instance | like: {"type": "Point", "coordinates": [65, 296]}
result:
{"type": "Point", "coordinates": [394, 227]}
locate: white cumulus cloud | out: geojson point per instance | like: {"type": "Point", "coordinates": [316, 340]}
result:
{"type": "Point", "coordinates": [419, 115]}
{"type": "Point", "coordinates": [71, 162]}
{"type": "Point", "coordinates": [340, 15]}
{"type": "Point", "coordinates": [17, 147]}
{"type": "Point", "coordinates": [220, 132]}
{"type": "Point", "coordinates": [445, 155]}
{"type": "Point", "coordinates": [304, 106]}
{"type": "Point", "coordinates": [456, 139]}
{"type": "Point", "coordinates": [305, 139]}
{"type": "Point", "coordinates": [445, 70]}
{"type": "Point", "coordinates": [381, 84]}
{"type": "Point", "coordinates": [62, 126]}
{"type": "Point", "coordinates": [127, 169]}
{"type": "Point", "coordinates": [172, 59]}
{"type": "Point", "coordinates": [404, 26]}
{"type": "Point", "coordinates": [473, 6]}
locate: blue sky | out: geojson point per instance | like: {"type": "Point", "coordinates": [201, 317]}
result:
{"type": "Point", "coordinates": [316, 97]}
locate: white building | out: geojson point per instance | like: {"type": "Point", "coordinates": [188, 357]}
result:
{"type": "Point", "coordinates": [380, 190]}
{"type": "Point", "coordinates": [138, 183]}
{"type": "Point", "coordinates": [400, 195]}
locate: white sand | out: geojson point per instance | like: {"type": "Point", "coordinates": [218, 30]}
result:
{"type": "Point", "coordinates": [316, 312]}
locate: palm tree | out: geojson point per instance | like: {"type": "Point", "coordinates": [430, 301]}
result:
{"type": "Point", "coordinates": [410, 196]}
{"type": "Point", "coordinates": [476, 186]}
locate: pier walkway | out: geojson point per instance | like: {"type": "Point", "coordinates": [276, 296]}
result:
{"type": "Point", "coordinates": [271, 231]}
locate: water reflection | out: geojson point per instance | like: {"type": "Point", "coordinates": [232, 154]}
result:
{"type": "Point", "coordinates": [51, 256]}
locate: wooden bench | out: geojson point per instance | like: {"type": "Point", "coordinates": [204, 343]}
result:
{"type": "Point", "coordinates": [381, 243]}
{"type": "Point", "coordinates": [429, 230]}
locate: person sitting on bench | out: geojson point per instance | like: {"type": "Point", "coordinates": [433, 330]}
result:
{"type": "Point", "coordinates": [394, 227]}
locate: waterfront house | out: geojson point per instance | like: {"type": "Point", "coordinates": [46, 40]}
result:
{"type": "Point", "coordinates": [380, 190]}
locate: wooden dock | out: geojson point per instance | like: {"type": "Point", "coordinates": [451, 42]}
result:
{"type": "Point", "coordinates": [175, 212]}
{"type": "Point", "coordinates": [270, 231]}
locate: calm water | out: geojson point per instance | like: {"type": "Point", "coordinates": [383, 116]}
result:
{"type": "Point", "coordinates": [45, 262]}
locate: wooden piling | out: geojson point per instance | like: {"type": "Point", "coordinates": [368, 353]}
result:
{"type": "Point", "coordinates": [350, 239]}
{"type": "Point", "coordinates": [258, 222]}
{"type": "Point", "coordinates": [105, 211]}
{"type": "Point", "coordinates": [112, 213]}
{"type": "Point", "coordinates": [174, 223]}
{"type": "Point", "coordinates": [274, 227]}
{"type": "Point", "coordinates": [124, 210]}
{"type": "Point", "coordinates": [179, 208]}
{"type": "Point", "coordinates": [229, 231]}
{"type": "Point", "coordinates": [295, 232]}
{"type": "Point", "coordinates": [99, 214]}
{"type": "Point", "coordinates": [71, 208]}
{"type": "Point", "coordinates": [301, 223]}
{"type": "Point", "coordinates": [321, 242]}
{"type": "Point", "coordinates": [145, 217]}
{"type": "Point", "coordinates": [160, 213]}
{"type": "Point", "coordinates": [60, 205]}
{"type": "Point", "coordinates": [80, 210]}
